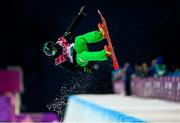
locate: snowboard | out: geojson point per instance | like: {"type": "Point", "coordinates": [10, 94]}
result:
{"type": "Point", "coordinates": [113, 56]}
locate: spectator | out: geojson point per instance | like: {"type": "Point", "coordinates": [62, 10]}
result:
{"type": "Point", "coordinates": [127, 81]}
{"type": "Point", "coordinates": [145, 70]}
{"type": "Point", "coordinates": [160, 67]}
{"type": "Point", "coordinates": [138, 70]}
{"type": "Point", "coordinates": [175, 68]}
{"type": "Point", "coordinates": [153, 68]}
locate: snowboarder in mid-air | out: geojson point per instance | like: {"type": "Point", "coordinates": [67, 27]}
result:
{"type": "Point", "coordinates": [76, 55]}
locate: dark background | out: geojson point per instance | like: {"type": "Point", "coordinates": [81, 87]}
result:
{"type": "Point", "coordinates": [141, 30]}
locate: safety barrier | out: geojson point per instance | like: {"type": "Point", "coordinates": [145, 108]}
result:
{"type": "Point", "coordinates": [167, 88]}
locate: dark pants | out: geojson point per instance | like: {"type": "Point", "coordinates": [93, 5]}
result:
{"type": "Point", "coordinates": [127, 86]}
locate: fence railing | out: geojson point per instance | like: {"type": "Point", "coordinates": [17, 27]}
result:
{"type": "Point", "coordinates": [161, 87]}
{"type": "Point", "coordinates": [167, 88]}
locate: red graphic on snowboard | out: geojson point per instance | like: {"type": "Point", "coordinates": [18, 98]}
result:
{"type": "Point", "coordinates": [113, 56]}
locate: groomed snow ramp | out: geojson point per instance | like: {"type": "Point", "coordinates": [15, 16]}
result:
{"type": "Point", "coordinates": [118, 108]}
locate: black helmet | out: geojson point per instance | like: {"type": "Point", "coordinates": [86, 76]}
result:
{"type": "Point", "coordinates": [51, 48]}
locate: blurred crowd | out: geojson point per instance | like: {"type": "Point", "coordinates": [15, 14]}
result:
{"type": "Point", "coordinates": [157, 68]}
